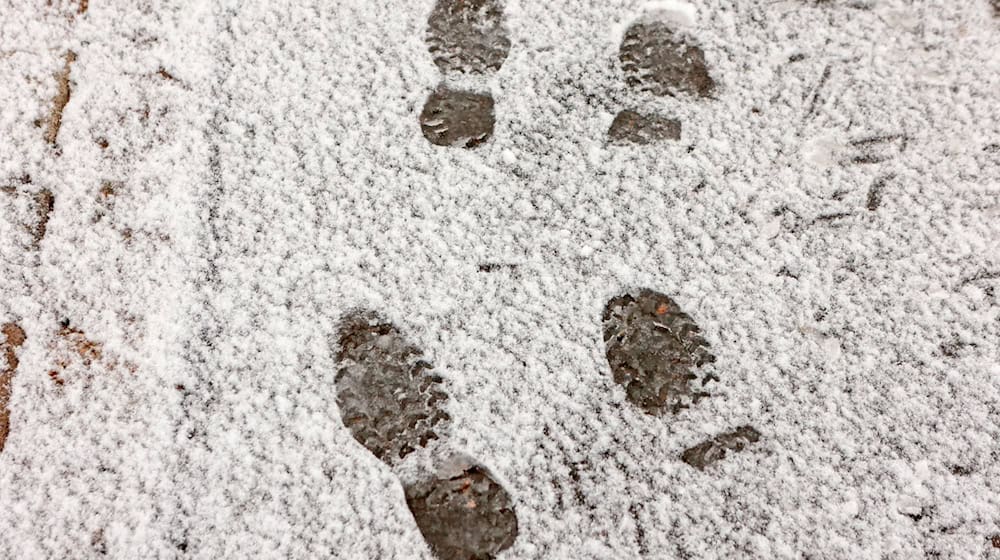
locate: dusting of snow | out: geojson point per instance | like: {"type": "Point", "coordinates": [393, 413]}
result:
{"type": "Point", "coordinates": [674, 11]}
{"type": "Point", "coordinates": [229, 179]}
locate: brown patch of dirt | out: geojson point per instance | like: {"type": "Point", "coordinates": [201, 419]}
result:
{"type": "Point", "coordinates": [86, 349]}
{"type": "Point", "coordinates": [11, 186]}
{"type": "Point", "coordinates": [60, 100]}
{"type": "Point", "coordinates": [469, 516]}
{"type": "Point", "coordinates": [72, 346]}
{"type": "Point", "coordinates": [716, 449]}
{"type": "Point", "coordinates": [45, 203]}
{"type": "Point", "coordinates": [98, 543]}
{"type": "Point", "coordinates": [109, 188]}
{"type": "Point", "coordinates": [13, 338]}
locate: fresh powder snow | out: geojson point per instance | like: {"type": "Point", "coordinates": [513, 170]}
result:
{"type": "Point", "coordinates": [500, 279]}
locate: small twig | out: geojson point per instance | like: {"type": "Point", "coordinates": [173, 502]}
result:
{"type": "Point", "coordinates": [984, 275]}
{"type": "Point", "coordinates": [831, 217]}
{"type": "Point", "coordinates": [816, 92]}
{"type": "Point", "coordinates": [46, 202]}
{"type": "Point", "coordinates": [493, 267]}
{"type": "Point", "coordinates": [875, 192]}
{"type": "Point", "coordinates": [880, 139]}
{"type": "Point", "coordinates": [162, 72]}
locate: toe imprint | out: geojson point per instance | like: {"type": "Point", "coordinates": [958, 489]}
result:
{"type": "Point", "coordinates": [457, 118]}
{"type": "Point", "coordinates": [660, 61]}
{"type": "Point", "coordinates": [467, 35]}
{"type": "Point", "coordinates": [653, 349]}
{"type": "Point", "coordinates": [630, 127]}
{"type": "Point", "coordinates": [387, 396]}
{"type": "Point", "coordinates": [469, 516]}
{"type": "Point", "coordinates": [716, 449]}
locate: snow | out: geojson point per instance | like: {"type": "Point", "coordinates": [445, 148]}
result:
{"type": "Point", "coordinates": [276, 177]}
{"type": "Point", "coordinates": [682, 13]}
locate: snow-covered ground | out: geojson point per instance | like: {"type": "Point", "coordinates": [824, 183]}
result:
{"type": "Point", "coordinates": [229, 180]}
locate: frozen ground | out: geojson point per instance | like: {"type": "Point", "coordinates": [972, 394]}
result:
{"type": "Point", "coordinates": [226, 182]}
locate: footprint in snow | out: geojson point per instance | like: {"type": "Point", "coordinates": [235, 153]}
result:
{"type": "Point", "coordinates": [655, 352]}
{"type": "Point", "coordinates": [394, 405]}
{"type": "Point", "coordinates": [388, 395]}
{"type": "Point", "coordinates": [658, 56]}
{"type": "Point", "coordinates": [654, 349]}
{"type": "Point", "coordinates": [464, 37]}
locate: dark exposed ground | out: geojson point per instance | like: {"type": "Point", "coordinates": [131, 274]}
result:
{"type": "Point", "coordinates": [631, 127]}
{"type": "Point", "coordinates": [458, 118]}
{"type": "Point", "coordinates": [658, 60]}
{"type": "Point", "coordinates": [44, 205]}
{"type": "Point", "coordinates": [467, 35]}
{"type": "Point", "coordinates": [60, 101]}
{"type": "Point", "coordinates": [469, 516]}
{"type": "Point", "coordinates": [716, 449]}
{"type": "Point", "coordinates": [387, 395]}
{"type": "Point", "coordinates": [654, 350]}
